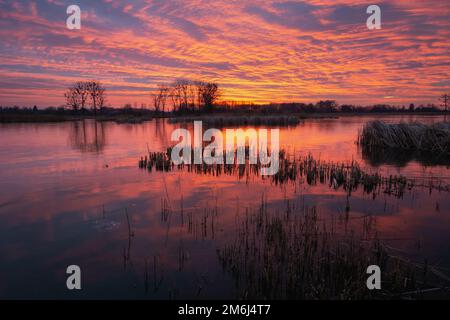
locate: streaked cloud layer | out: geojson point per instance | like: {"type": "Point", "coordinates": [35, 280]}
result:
{"type": "Point", "coordinates": [256, 50]}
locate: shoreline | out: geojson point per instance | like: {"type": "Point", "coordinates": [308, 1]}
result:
{"type": "Point", "coordinates": [42, 117]}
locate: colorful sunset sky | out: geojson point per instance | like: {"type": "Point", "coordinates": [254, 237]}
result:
{"type": "Point", "coordinates": [260, 51]}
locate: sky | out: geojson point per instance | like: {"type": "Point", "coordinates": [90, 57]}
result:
{"type": "Point", "coordinates": [259, 51]}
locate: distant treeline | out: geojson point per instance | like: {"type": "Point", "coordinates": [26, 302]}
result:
{"type": "Point", "coordinates": [62, 110]}
{"type": "Point", "coordinates": [323, 106]}
{"type": "Point", "coordinates": [327, 106]}
{"type": "Point", "coordinates": [184, 97]}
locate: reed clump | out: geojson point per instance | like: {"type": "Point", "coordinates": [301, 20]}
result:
{"type": "Point", "coordinates": [160, 161]}
{"type": "Point", "coordinates": [434, 138]}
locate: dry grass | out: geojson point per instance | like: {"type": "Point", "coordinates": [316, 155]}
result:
{"type": "Point", "coordinates": [433, 138]}
{"type": "Point", "coordinates": [297, 254]}
{"type": "Point", "coordinates": [302, 169]}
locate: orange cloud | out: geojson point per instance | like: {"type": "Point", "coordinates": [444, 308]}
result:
{"type": "Point", "coordinates": [256, 50]}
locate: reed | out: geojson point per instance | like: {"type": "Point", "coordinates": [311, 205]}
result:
{"type": "Point", "coordinates": [302, 169]}
{"type": "Point", "coordinates": [434, 138]}
{"type": "Point", "coordinates": [299, 254]}
{"type": "Point", "coordinates": [160, 161]}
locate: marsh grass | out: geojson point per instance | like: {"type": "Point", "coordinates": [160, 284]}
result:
{"type": "Point", "coordinates": [302, 169]}
{"type": "Point", "coordinates": [434, 138]}
{"type": "Point", "coordinates": [297, 254]}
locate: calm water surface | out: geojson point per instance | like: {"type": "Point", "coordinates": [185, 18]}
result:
{"type": "Point", "coordinates": [66, 190]}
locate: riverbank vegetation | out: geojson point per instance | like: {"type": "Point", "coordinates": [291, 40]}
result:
{"type": "Point", "coordinates": [51, 114]}
{"type": "Point", "coordinates": [433, 139]}
{"type": "Point", "coordinates": [185, 100]}
{"type": "Point", "coordinates": [297, 253]}
{"type": "Point", "coordinates": [277, 115]}
{"type": "Point", "coordinates": [292, 249]}
{"type": "Point", "coordinates": [348, 177]}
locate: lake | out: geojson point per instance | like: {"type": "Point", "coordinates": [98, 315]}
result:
{"type": "Point", "coordinates": [72, 194]}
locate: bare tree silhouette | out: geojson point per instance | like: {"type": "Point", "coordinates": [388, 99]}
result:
{"type": "Point", "coordinates": [83, 92]}
{"type": "Point", "coordinates": [208, 93]}
{"type": "Point", "coordinates": [72, 99]}
{"type": "Point", "coordinates": [96, 94]}
{"type": "Point", "coordinates": [445, 99]}
{"type": "Point", "coordinates": [160, 98]}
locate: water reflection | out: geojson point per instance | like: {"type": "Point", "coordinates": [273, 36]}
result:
{"type": "Point", "coordinates": [401, 157]}
{"type": "Point", "coordinates": [88, 135]}
{"type": "Point", "coordinates": [59, 205]}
